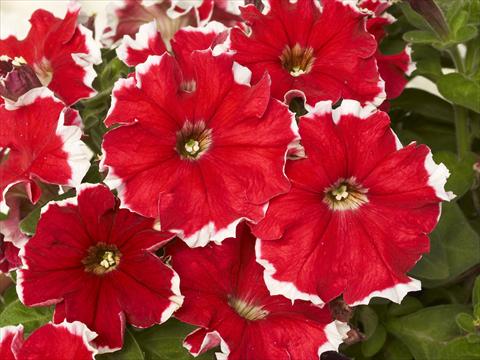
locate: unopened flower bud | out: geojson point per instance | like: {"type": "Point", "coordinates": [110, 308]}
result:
{"type": "Point", "coordinates": [432, 13]}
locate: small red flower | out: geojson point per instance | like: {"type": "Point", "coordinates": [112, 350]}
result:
{"type": "Point", "coordinates": [96, 262]}
{"type": "Point", "coordinates": [393, 68]}
{"type": "Point", "coordinates": [357, 216]}
{"type": "Point", "coordinates": [127, 16]}
{"type": "Point", "coordinates": [61, 53]}
{"type": "Point", "coordinates": [320, 54]}
{"type": "Point", "coordinates": [198, 146]}
{"type": "Point", "coordinates": [226, 297]}
{"type": "Point", "coordinates": [36, 146]}
{"type": "Point", "coordinates": [52, 342]}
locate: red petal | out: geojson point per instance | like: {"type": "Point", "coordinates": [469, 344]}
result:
{"type": "Point", "coordinates": [58, 342]}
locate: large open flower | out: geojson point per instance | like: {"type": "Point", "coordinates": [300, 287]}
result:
{"type": "Point", "coordinates": [200, 149]}
{"type": "Point", "coordinates": [36, 146]}
{"type": "Point", "coordinates": [60, 52]}
{"type": "Point", "coordinates": [226, 297]}
{"type": "Point", "coordinates": [320, 54]}
{"type": "Point", "coordinates": [52, 342]}
{"type": "Point", "coordinates": [358, 214]}
{"type": "Point", "coordinates": [96, 262]}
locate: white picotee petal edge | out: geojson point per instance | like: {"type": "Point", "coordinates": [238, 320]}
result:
{"type": "Point", "coordinates": [176, 299]}
{"type": "Point", "coordinates": [395, 293]}
{"type": "Point", "coordinates": [16, 331]}
{"type": "Point", "coordinates": [336, 333]}
{"type": "Point", "coordinates": [142, 69]}
{"type": "Point", "coordinates": [79, 329]}
{"type": "Point", "coordinates": [119, 85]}
{"type": "Point", "coordinates": [145, 34]}
{"type": "Point", "coordinates": [437, 178]}
{"type": "Point", "coordinates": [413, 65]}
{"type": "Point", "coordinates": [186, 5]}
{"type": "Point", "coordinates": [277, 287]}
{"type": "Point", "coordinates": [208, 233]}
{"type": "Point", "coordinates": [79, 154]}
{"type": "Point", "coordinates": [210, 336]}
{"type": "Point", "coordinates": [347, 107]}
{"type": "Point", "coordinates": [112, 9]}
{"type": "Point", "coordinates": [241, 74]}
{"type": "Point", "coordinates": [106, 349]}
{"type": "Point", "coordinates": [30, 97]}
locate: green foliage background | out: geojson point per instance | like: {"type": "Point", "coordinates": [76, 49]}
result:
{"type": "Point", "coordinates": [443, 320]}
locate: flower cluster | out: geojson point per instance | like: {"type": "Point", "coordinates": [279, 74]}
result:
{"type": "Point", "coordinates": [230, 212]}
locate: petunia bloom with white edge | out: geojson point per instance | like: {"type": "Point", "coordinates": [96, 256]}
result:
{"type": "Point", "coordinates": [60, 52]}
{"type": "Point", "coordinates": [359, 212]}
{"type": "Point", "coordinates": [225, 296]}
{"type": "Point", "coordinates": [97, 264]}
{"type": "Point", "coordinates": [37, 147]}
{"type": "Point", "coordinates": [197, 147]}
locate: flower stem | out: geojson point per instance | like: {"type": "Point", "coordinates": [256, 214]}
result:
{"type": "Point", "coordinates": [461, 114]}
{"type": "Point", "coordinates": [461, 131]}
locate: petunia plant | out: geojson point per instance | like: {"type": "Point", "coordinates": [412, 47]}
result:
{"type": "Point", "coordinates": [243, 180]}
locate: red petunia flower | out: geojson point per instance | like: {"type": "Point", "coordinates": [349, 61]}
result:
{"type": "Point", "coordinates": [318, 54]}
{"type": "Point", "coordinates": [52, 342]}
{"type": "Point", "coordinates": [393, 68]}
{"type": "Point", "coordinates": [96, 262]}
{"type": "Point", "coordinates": [358, 214]}
{"type": "Point", "coordinates": [226, 297]}
{"type": "Point", "coordinates": [148, 41]}
{"type": "Point", "coordinates": [125, 17]}
{"type": "Point", "coordinates": [36, 145]}
{"type": "Point", "coordinates": [60, 52]}
{"type": "Point", "coordinates": [201, 152]}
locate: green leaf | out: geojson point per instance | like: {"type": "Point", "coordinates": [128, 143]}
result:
{"type": "Point", "coordinates": [409, 305]}
{"type": "Point", "coordinates": [464, 34]}
{"type": "Point", "coordinates": [131, 349]}
{"type": "Point", "coordinates": [420, 37]}
{"type": "Point", "coordinates": [473, 338]}
{"type": "Point", "coordinates": [432, 334]}
{"type": "Point", "coordinates": [164, 342]}
{"type": "Point", "coordinates": [455, 247]}
{"type": "Point", "coordinates": [465, 322]}
{"type": "Point", "coordinates": [10, 295]}
{"type": "Point", "coordinates": [368, 319]}
{"type": "Point", "coordinates": [375, 342]}
{"type": "Point", "coordinates": [396, 350]}
{"type": "Point", "coordinates": [425, 104]}
{"type": "Point", "coordinates": [460, 90]}
{"type": "Point", "coordinates": [29, 224]}
{"type": "Point", "coordinates": [461, 171]}
{"type": "Point", "coordinates": [476, 298]}
{"type": "Point", "coordinates": [30, 317]}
